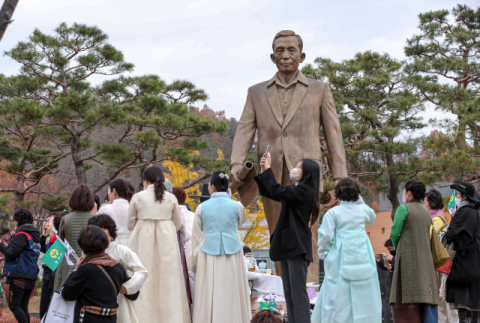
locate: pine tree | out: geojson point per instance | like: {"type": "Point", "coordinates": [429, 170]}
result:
{"type": "Point", "coordinates": [159, 125]}
{"type": "Point", "coordinates": [24, 150]}
{"type": "Point", "coordinates": [445, 60]}
{"type": "Point", "coordinates": [377, 109]}
{"type": "Point", "coordinates": [54, 72]}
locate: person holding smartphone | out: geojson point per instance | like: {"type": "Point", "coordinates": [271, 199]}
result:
{"type": "Point", "coordinates": [291, 240]}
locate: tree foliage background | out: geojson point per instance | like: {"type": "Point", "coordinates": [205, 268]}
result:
{"type": "Point", "coordinates": [59, 126]}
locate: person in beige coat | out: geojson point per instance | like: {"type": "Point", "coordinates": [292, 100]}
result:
{"type": "Point", "coordinates": [154, 219]}
{"type": "Point", "coordinates": [287, 113]}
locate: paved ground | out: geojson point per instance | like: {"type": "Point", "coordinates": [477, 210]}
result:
{"type": "Point", "coordinates": [33, 307]}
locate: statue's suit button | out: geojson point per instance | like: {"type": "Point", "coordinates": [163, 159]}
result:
{"type": "Point", "coordinates": [280, 152]}
{"type": "Point", "coordinates": [284, 133]}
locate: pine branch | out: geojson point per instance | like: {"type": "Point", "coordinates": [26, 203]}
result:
{"type": "Point", "coordinates": [6, 14]}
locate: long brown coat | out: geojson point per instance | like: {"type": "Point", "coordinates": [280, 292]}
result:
{"type": "Point", "coordinates": [295, 136]}
{"type": "Point", "coordinates": [291, 137]}
{"type": "Point", "coordinates": [414, 260]}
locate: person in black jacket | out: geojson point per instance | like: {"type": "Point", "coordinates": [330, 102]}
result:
{"type": "Point", "coordinates": [21, 269]}
{"type": "Point", "coordinates": [464, 230]}
{"type": "Point", "coordinates": [291, 240]}
{"type": "Point", "coordinates": [96, 280]}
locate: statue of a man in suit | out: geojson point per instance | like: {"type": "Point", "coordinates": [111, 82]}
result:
{"type": "Point", "coordinates": [287, 112]}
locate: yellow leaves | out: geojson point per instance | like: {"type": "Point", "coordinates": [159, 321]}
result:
{"type": "Point", "coordinates": [180, 175]}
{"type": "Point", "coordinates": [221, 156]}
{"type": "Point", "coordinates": [257, 235]}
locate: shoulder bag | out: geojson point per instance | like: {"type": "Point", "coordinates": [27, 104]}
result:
{"type": "Point", "coordinates": [439, 254]}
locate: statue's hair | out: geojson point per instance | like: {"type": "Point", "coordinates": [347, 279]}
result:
{"type": "Point", "coordinates": [288, 33]}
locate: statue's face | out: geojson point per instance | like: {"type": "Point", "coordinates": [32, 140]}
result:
{"type": "Point", "coordinates": [287, 55]}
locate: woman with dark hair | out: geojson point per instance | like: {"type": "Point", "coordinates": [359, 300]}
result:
{"type": "Point", "coordinates": [96, 281]}
{"type": "Point", "coordinates": [434, 203]}
{"type": "Point", "coordinates": [82, 202]}
{"type": "Point", "coordinates": [291, 240]}
{"type": "Point", "coordinates": [414, 288]}
{"type": "Point", "coordinates": [350, 291]}
{"type": "Point", "coordinates": [124, 255]}
{"type": "Point", "coordinates": [50, 235]}
{"type": "Point", "coordinates": [184, 237]}
{"type": "Point", "coordinates": [463, 283]}
{"type": "Point", "coordinates": [119, 196]}
{"type": "Point", "coordinates": [21, 269]}
{"type": "Point", "coordinates": [222, 292]}
{"type": "Point", "coordinates": [154, 219]}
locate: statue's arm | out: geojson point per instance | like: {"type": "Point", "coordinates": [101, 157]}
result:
{"type": "Point", "coordinates": [245, 133]}
{"type": "Point", "coordinates": [333, 135]}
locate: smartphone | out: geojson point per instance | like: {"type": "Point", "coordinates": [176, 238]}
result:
{"type": "Point", "coordinates": [266, 153]}
{"type": "Point", "coordinates": [385, 259]}
{"type": "Point", "coordinates": [378, 256]}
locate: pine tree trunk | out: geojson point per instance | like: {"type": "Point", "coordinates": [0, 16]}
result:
{"type": "Point", "coordinates": [6, 15]}
{"type": "Point", "coordinates": [77, 161]}
{"type": "Point", "coordinates": [393, 183]}
{"type": "Point", "coordinates": [20, 194]}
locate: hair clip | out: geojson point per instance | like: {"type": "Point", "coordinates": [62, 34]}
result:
{"type": "Point", "coordinates": [222, 175]}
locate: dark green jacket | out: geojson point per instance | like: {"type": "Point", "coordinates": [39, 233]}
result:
{"type": "Point", "coordinates": [414, 259]}
{"type": "Point", "coordinates": [69, 229]}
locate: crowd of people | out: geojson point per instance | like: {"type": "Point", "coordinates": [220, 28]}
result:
{"type": "Point", "coordinates": [146, 257]}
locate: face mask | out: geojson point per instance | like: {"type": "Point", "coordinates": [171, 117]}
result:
{"type": "Point", "coordinates": [458, 201]}
{"type": "Point", "coordinates": [295, 175]}
{"type": "Point", "coordinates": [404, 199]}
{"type": "Point", "coordinates": [393, 253]}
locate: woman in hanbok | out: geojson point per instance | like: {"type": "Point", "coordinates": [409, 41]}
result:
{"type": "Point", "coordinates": [185, 241]}
{"type": "Point", "coordinates": [351, 290]}
{"type": "Point", "coordinates": [136, 272]}
{"type": "Point", "coordinates": [154, 219]}
{"type": "Point", "coordinates": [119, 195]}
{"type": "Point", "coordinates": [222, 293]}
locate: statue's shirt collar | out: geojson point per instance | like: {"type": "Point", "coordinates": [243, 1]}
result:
{"type": "Point", "coordinates": [300, 77]}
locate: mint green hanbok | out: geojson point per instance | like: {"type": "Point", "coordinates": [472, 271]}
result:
{"type": "Point", "coordinates": [351, 291]}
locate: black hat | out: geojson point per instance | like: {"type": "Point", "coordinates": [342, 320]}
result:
{"type": "Point", "coordinates": [466, 189]}
{"type": "Point", "coordinates": [205, 194]}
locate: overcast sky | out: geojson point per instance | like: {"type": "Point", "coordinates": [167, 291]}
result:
{"type": "Point", "coordinates": [223, 46]}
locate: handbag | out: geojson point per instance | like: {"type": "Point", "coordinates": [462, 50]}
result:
{"type": "Point", "coordinates": [448, 266]}
{"type": "Point", "coordinates": [439, 254]}
{"type": "Point", "coordinates": [464, 270]}
{"type": "Point", "coordinates": [60, 310]}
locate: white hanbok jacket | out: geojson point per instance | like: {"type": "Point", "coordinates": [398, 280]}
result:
{"type": "Point", "coordinates": [137, 273]}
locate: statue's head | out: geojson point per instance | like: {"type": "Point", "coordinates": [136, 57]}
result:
{"type": "Point", "coordinates": [287, 51]}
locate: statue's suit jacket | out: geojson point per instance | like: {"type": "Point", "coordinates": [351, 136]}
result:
{"type": "Point", "coordinates": [296, 135]}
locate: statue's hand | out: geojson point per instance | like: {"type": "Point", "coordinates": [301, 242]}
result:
{"type": "Point", "coordinates": [234, 174]}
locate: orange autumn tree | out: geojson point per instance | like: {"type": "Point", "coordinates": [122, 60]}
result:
{"type": "Point", "coordinates": [181, 175]}
{"type": "Point", "coordinates": [256, 236]}
{"type": "Point", "coordinates": [188, 178]}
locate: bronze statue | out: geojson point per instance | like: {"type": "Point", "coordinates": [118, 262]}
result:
{"type": "Point", "coordinates": [287, 112]}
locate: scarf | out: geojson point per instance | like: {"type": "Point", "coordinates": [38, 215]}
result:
{"type": "Point", "coordinates": [464, 203]}
{"type": "Point", "coordinates": [101, 259]}
{"type": "Point", "coordinates": [434, 212]}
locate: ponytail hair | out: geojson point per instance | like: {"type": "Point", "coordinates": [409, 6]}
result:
{"type": "Point", "coordinates": [154, 175]}
{"type": "Point", "coordinates": [122, 187]}
{"type": "Point", "coordinates": [220, 181]}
